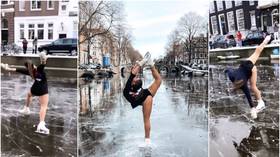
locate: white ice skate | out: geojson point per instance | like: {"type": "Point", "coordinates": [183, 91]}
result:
{"type": "Point", "coordinates": [145, 59]}
{"type": "Point", "coordinates": [41, 128]}
{"type": "Point", "coordinates": [254, 113]}
{"type": "Point", "coordinates": [25, 110]}
{"type": "Point", "coordinates": [43, 56]}
{"type": "Point", "coordinates": [260, 106]}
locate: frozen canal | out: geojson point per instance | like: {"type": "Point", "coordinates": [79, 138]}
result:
{"type": "Point", "coordinates": [110, 128]}
{"type": "Point", "coordinates": [17, 130]}
{"type": "Point", "coordinates": [232, 132]}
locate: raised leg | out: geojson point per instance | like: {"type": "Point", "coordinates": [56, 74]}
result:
{"type": "Point", "coordinates": [147, 109]}
{"type": "Point", "coordinates": [255, 56]}
{"type": "Point", "coordinates": [157, 82]}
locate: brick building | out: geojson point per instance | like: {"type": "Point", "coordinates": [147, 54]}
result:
{"type": "Point", "coordinates": [7, 22]}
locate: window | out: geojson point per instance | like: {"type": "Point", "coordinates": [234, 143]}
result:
{"type": "Point", "coordinates": [63, 7]}
{"type": "Point", "coordinates": [214, 24]}
{"type": "Point", "coordinates": [50, 31]}
{"type": "Point", "coordinates": [220, 5]}
{"type": "Point", "coordinates": [3, 2]}
{"type": "Point", "coordinates": [230, 19]}
{"type": "Point", "coordinates": [275, 16]}
{"type": "Point", "coordinates": [251, 2]}
{"type": "Point", "coordinates": [212, 7]}
{"type": "Point", "coordinates": [228, 4]}
{"type": "Point", "coordinates": [35, 5]}
{"type": "Point", "coordinates": [4, 24]}
{"type": "Point", "coordinates": [31, 31]}
{"type": "Point", "coordinates": [21, 31]}
{"type": "Point", "coordinates": [240, 19]}
{"type": "Point", "coordinates": [50, 4]}
{"type": "Point", "coordinates": [40, 31]}
{"type": "Point", "coordinates": [21, 5]}
{"type": "Point", "coordinates": [238, 2]}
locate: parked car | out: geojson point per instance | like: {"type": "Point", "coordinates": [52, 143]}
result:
{"type": "Point", "coordinates": [219, 41]}
{"type": "Point", "coordinates": [64, 45]}
{"type": "Point", "coordinates": [253, 38]}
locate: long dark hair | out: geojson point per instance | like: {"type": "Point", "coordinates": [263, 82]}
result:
{"type": "Point", "coordinates": [30, 67]}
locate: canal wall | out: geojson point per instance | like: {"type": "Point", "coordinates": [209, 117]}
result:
{"type": "Point", "coordinates": [243, 52]}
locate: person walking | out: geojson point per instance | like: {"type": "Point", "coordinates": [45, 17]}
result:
{"type": "Point", "coordinates": [24, 45]}
{"type": "Point", "coordinates": [239, 39]}
{"type": "Point", "coordinates": [276, 30]}
{"type": "Point", "coordinates": [35, 42]}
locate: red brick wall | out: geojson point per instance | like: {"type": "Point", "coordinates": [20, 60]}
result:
{"type": "Point", "coordinates": [42, 12]}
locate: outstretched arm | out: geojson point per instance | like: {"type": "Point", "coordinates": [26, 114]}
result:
{"type": "Point", "coordinates": [247, 93]}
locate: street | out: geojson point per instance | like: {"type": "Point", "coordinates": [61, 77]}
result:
{"type": "Point", "coordinates": [17, 131]}
{"type": "Point", "coordinates": [110, 127]}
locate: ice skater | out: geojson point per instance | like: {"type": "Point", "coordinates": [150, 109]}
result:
{"type": "Point", "coordinates": [138, 96]}
{"type": "Point", "coordinates": [248, 71]}
{"type": "Point", "coordinates": [39, 88]}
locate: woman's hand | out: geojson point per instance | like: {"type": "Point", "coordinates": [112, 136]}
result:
{"type": "Point", "coordinates": [135, 69]}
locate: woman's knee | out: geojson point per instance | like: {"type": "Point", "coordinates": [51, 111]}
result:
{"type": "Point", "coordinates": [254, 88]}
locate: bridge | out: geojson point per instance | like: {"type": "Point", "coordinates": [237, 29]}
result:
{"type": "Point", "coordinates": [169, 68]}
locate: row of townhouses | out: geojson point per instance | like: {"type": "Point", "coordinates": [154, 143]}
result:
{"type": "Point", "coordinates": [45, 20]}
{"type": "Point", "coordinates": [228, 17]}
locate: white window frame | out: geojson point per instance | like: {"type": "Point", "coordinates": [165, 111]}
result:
{"type": "Point", "coordinates": [39, 29]}
{"type": "Point", "coordinates": [220, 5]}
{"type": "Point", "coordinates": [36, 9]}
{"type": "Point", "coordinates": [48, 6]}
{"type": "Point", "coordinates": [212, 7]}
{"type": "Point", "coordinates": [21, 29]}
{"type": "Point", "coordinates": [34, 31]}
{"type": "Point", "coordinates": [274, 12]}
{"type": "Point", "coordinates": [50, 28]}
{"type": "Point", "coordinates": [238, 2]}
{"type": "Point", "coordinates": [21, 3]}
{"type": "Point", "coordinates": [8, 3]}
{"type": "Point", "coordinates": [228, 4]}
{"type": "Point", "coordinates": [216, 24]}
{"type": "Point", "coordinates": [230, 21]}
{"type": "Point", "coordinates": [238, 20]}
{"type": "Point", "coordinates": [251, 2]}
{"type": "Point", "coordinates": [220, 22]}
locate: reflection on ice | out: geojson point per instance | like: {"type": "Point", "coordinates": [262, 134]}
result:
{"type": "Point", "coordinates": [109, 126]}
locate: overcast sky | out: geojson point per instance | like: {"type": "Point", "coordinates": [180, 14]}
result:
{"type": "Point", "coordinates": [152, 21]}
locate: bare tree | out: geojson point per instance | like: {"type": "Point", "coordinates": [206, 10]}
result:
{"type": "Point", "coordinates": [190, 26]}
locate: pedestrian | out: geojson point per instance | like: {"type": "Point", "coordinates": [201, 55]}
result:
{"type": "Point", "coordinates": [137, 96]}
{"type": "Point", "coordinates": [239, 39]}
{"type": "Point", "coordinates": [24, 45]}
{"type": "Point", "coordinates": [276, 30]}
{"type": "Point", "coordinates": [35, 42]}
{"type": "Point", "coordinates": [248, 71]}
{"type": "Point", "coordinates": [39, 88]}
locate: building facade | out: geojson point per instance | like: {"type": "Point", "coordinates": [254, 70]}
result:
{"type": "Point", "coordinates": [45, 20]}
{"type": "Point", "coordinates": [228, 17]}
{"type": "Point", "coordinates": [7, 22]}
{"type": "Point", "coordinates": [200, 51]}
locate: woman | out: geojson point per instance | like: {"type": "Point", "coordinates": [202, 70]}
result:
{"type": "Point", "coordinates": [39, 88]}
{"type": "Point", "coordinates": [137, 96]}
{"type": "Point", "coordinates": [248, 71]}
{"type": "Point", "coordinates": [24, 45]}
